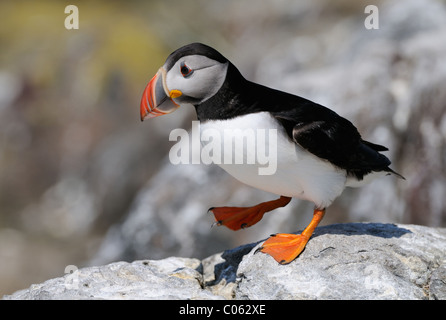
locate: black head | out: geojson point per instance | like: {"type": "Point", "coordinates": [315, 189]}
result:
{"type": "Point", "coordinates": [191, 75]}
{"type": "Point", "coordinates": [195, 48]}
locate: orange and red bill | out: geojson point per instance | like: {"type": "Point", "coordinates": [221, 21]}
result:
{"type": "Point", "coordinates": [156, 99]}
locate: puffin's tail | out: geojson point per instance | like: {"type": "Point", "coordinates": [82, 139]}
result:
{"type": "Point", "coordinates": [381, 159]}
{"type": "Point", "coordinates": [390, 171]}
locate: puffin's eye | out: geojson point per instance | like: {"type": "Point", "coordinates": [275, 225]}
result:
{"type": "Point", "coordinates": [185, 70]}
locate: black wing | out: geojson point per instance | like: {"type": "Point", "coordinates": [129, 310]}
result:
{"type": "Point", "coordinates": [327, 135]}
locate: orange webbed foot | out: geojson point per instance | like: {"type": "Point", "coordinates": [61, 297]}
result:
{"type": "Point", "coordinates": [236, 218]}
{"type": "Point", "coordinates": [284, 247]}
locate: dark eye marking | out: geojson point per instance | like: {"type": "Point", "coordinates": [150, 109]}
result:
{"type": "Point", "coordinates": [185, 70]}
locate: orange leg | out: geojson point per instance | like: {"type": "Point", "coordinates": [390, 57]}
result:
{"type": "Point", "coordinates": [236, 218]}
{"type": "Point", "coordinates": [284, 247]}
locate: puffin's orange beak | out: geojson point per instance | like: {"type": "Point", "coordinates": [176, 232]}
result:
{"type": "Point", "coordinates": [156, 99]}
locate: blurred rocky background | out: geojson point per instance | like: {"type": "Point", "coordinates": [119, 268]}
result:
{"type": "Point", "coordinates": [83, 181]}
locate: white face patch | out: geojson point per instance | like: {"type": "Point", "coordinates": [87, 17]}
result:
{"type": "Point", "coordinates": [206, 77]}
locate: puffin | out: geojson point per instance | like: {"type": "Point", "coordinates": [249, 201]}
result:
{"type": "Point", "coordinates": [319, 153]}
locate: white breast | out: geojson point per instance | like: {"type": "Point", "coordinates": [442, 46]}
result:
{"type": "Point", "coordinates": [297, 172]}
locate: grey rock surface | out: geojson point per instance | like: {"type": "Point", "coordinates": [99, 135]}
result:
{"type": "Point", "coordinates": [341, 261]}
{"type": "Point", "coordinates": [171, 278]}
{"type": "Point", "coordinates": [354, 261]}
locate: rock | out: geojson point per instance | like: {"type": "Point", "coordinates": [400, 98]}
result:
{"type": "Point", "coordinates": [171, 278]}
{"type": "Point", "coordinates": [353, 261]}
{"type": "Point", "coordinates": [341, 261]}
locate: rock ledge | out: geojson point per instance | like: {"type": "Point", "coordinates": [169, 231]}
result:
{"type": "Point", "coordinates": [341, 261]}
